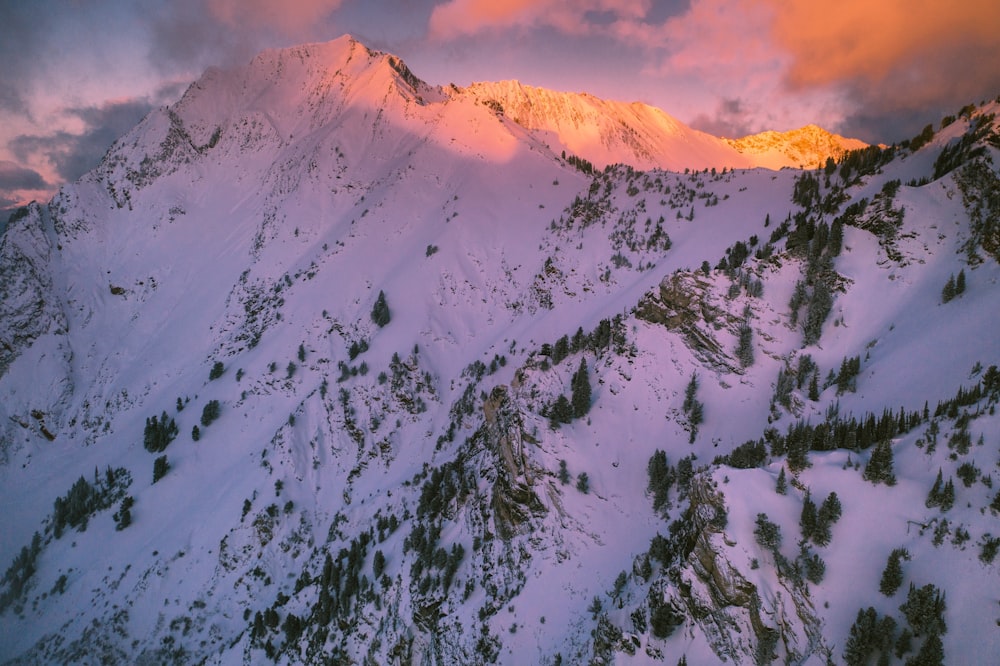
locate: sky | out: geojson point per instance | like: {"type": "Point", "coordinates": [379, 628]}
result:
{"type": "Point", "coordinates": [77, 74]}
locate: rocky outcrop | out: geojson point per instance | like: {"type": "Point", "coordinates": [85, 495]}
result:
{"type": "Point", "coordinates": [742, 622]}
{"type": "Point", "coordinates": [514, 500]}
{"type": "Point", "coordinates": [683, 304]}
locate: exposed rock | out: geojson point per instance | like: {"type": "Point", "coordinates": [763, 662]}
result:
{"type": "Point", "coordinates": [514, 500]}
{"type": "Point", "coordinates": [684, 305]}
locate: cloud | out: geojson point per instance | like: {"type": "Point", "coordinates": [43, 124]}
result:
{"type": "Point", "coordinates": [732, 119]}
{"type": "Point", "coordinates": [290, 18]}
{"type": "Point", "coordinates": [913, 61]}
{"type": "Point", "coordinates": [189, 35]}
{"type": "Point", "coordinates": [468, 17]}
{"type": "Point", "coordinates": [74, 154]}
{"type": "Point", "coordinates": [16, 177]}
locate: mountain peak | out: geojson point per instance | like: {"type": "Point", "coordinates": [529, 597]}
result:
{"type": "Point", "coordinates": [807, 146]}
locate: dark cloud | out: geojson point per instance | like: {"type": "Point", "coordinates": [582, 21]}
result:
{"type": "Point", "coordinates": [73, 155]}
{"type": "Point", "coordinates": [16, 177]}
{"type": "Point", "coordinates": [732, 119]}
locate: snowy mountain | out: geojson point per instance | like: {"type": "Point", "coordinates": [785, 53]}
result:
{"type": "Point", "coordinates": [324, 364]}
{"type": "Point", "coordinates": [806, 147]}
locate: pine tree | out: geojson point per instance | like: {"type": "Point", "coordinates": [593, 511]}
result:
{"type": "Point", "coordinates": [661, 478]}
{"type": "Point", "coordinates": [829, 513]}
{"type": "Point", "coordinates": [583, 483]}
{"type": "Point", "coordinates": [948, 292]}
{"type": "Point", "coordinates": [948, 495]}
{"type": "Point", "coordinates": [160, 468]}
{"type": "Point", "coordinates": [217, 369]}
{"type": "Point", "coordinates": [563, 473]}
{"type": "Point", "coordinates": [744, 350]}
{"type": "Point", "coordinates": [931, 653]}
{"type": "Point", "coordinates": [380, 311]}
{"type": "Point", "coordinates": [892, 575]}
{"type": "Point", "coordinates": [561, 412]}
{"type": "Point", "coordinates": [807, 520]}
{"type": "Point", "coordinates": [581, 390]}
{"type": "Point", "coordinates": [195, 433]}
{"type": "Point", "coordinates": [934, 496]}
{"type": "Point", "coordinates": [210, 412]}
{"type": "Point", "coordinates": [924, 610]}
{"type": "Point", "coordinates": [879, 467]}
{"type": "Point", "coordinates": [814, 386]}
{"type": "Point", "coordinates": [960, 283]}
{"type": "Point", "coordinates": [781, 487]}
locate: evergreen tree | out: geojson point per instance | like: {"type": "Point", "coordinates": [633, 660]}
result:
{"type": "Point", "coordinates": [879, 467]}
{"type": "Point", "coordinates": [563, 473]}
{"type": "Point", "coordinates": [819, 308]}
{"type": "Point", "coordinates": [931, 653]}
{"type": "Point", "coordinates": [692, 407]}
{"type": "Point", "coordinates": [583, 483]}
{"type": "Point", "coordinates": [924, 610]}
{"type": "Point", "coordinates": [934, 496]}
{"type": "Point", "coordinates": [744, 350]}
{"type": "Point", "coordinates": [581, 390]}
{"type": "Point", "coordinates": [661, 477]}
{"type": "Point", "coordinates": [768, 534]}
{"type": "Point", "coordinates": [948, 292]}
{"type": "Point", "coordinates": [561, 412]}
{"type": "Point", "coordinates": [948, 495]}
{"type": "Point", "coordinates": [960, 283]}
{"type": "Point", "coordinates": [892, 575]}
{"type": "Point", "coordinates": [195, 433]}
{"type": "Point", "coordinates": [781, 487]}
{"type": "Point", "coordinates": [158, 433]}
{"type": "Point", "coordinates": [160, 468]}
{"type": "Point", "coordinates": [829, 513]}
{"type": "Point", "coordinates": [814, 386]}
{"type": "Point", "coordinates": [217, 369]}
{"type": "Point", "coordinates": [807, 520]}
{"type": "Point", "coordinates": [380, 311]}
{"type": "Point", "coordinates": [210, 412]}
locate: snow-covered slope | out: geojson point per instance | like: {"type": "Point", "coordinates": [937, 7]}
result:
{"type": "Point", "coordinates": [324, 364]}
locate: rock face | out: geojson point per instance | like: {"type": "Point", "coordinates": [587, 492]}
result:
{"type": "Point", "coordinates": [514, 501]}
{"type": "Point", "coordinates": [684, 305]}
{"type": "Point", "coordinates": [31, 307]}
{"type": "Point", "coordinates": [742, 620]}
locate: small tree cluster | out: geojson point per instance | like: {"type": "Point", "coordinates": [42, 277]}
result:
{"type": "Point", "coordinates": [879, 467]}
{"type": "Point", "coordinates": [953, 287]}
{"type": "Point", "coordinates": [815, 523]}
{"type": "Point", "coordinates": [210, 412]}
{"type": "Point", "coordinates": [217, 369]}
{"type": "Point", "coordinates": [942, 494]}
{"type": "Point", "coordinates": [661, 478]}
{"type": "Point", "coordinates": [869, 634]}
{"type": "Point", "coordinates": [158, 433]}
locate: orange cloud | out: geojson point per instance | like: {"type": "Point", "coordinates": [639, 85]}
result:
{"type": "Point", "coordinates": [290, 18]}
{"type": "Point", "coordinates": [861, 39]}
